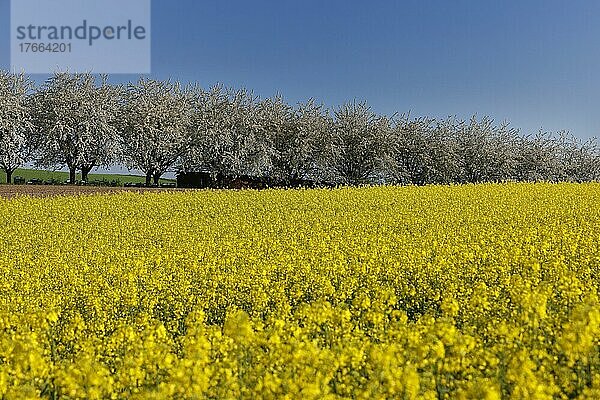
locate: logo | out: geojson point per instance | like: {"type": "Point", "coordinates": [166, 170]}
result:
{"type": "Point", "coordinates": [108, 36]}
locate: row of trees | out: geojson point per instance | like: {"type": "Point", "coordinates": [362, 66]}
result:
{"type": "Point", "coordinates": [81, 122]}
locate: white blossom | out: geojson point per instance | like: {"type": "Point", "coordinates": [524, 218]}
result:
{"type": "Point", "coordinates": [16, 123]}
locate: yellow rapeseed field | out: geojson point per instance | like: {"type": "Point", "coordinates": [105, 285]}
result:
{"type": "Point", "coordinates": [467, 292]}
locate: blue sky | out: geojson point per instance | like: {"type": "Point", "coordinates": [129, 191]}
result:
{"type": "Point", "coordinates": [533, 63]}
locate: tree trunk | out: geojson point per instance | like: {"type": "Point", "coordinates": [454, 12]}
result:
{"type": "Point", "coordinates": [72, 175]}
{"type": "Point", "coordinates": [85, 170]}
{"type": "Point", "coordinates": [156, 177]}
{"type": "Point", "coordinates": [9, 173]}
{"type": "Point", "coordinates": [148, 178]}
